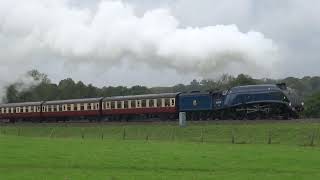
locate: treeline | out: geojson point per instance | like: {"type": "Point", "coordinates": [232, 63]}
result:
{"type": "Point", "coordinates": [40, 88]}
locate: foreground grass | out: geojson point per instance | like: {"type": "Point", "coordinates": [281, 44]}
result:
{"type": "Point", "coordinates": [77, 159]}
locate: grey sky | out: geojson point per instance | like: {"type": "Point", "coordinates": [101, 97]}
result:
{"type": "Point", "coordinates": [292, 25]}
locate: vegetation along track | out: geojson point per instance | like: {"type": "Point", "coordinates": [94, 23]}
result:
{"type": "Point", "coordinates": [295, 132]}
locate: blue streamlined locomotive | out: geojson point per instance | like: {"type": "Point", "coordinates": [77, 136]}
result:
{"type": "Point", "coordinates": [241, 102]}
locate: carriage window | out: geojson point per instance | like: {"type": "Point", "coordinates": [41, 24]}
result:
{"type": "Point", "coordinates": [69, 107]}
{"type": "Point", "coordinates": [143, 103]}
{"type": "Point", "coordinates": [75, 107]}
{"type": "Point", "coordinates": [133, 104]}
{"type": "Point", "coordinates": [97, 106]}
{"type": "Point", "coordinates": [81, 107]}
{"type": "Point", "coordinates": [151, 102]}
{"type": "Point", "coordinates": [59, 108]}
{"type": "Point", "coordinates": [54, 108]}
{"type": "Point", "coordinates": [49, 109]}
{"type": "Point", "coordinates": [108, 105]}
{"type": "Point", "coordinates": [112, 104]}
{"type": "Point", "coordinates": [125, 104]}
{"type": "Point", "coordinates": [159, 104]}
{"type": "Point", "coordinates": [89, 106]}
{"type": "Point", "coordinates": [119, 104]}
{"type": "Point", "coordinates": [166, 102]}
{"type": "Point", "coordinates": [138, 104]}
{"type": "Point", "coordinates": [172, 102]}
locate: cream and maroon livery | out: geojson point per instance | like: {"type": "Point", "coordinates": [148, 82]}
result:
{"type": "Point", "coordinates": [89, 107]}
{"type": "Point", "coordinates": [16, 111]}
{"type": "Point", "coordinates": [118, 107]}
{"type": "Point", "coordinates": [140, 104]}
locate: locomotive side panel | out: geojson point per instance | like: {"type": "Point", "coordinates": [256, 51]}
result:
{"type": "Point", "coordinates": [195, 102]}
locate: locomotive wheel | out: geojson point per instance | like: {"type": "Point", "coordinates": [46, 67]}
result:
{"type": "Point", "coordinates": [252, 116]}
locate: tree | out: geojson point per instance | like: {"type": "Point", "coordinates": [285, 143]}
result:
{"type": "Point", "coordinates": [194, 85]}
{"type": "Point", "coordinates": [136, 90]}
{"type": "Point", "coordinates": [12, 94]}
{"type": "Point", "coordinates": [67, 87]}
{"type": "Point", "coordinates": [37, 76]}
{"type": "Point", "coordinates": [243, 79]}
{"type": "Point", "coordinates": [312, 105]}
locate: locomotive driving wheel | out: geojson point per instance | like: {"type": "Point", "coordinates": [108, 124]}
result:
{"type": "Point", "coordinates": [252, 112]}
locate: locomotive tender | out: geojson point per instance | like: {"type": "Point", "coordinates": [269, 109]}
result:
{"type": "Point", "coordinates": [265, 101]}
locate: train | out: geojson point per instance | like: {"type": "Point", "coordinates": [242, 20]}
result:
{"type": "Point", "coordinates": [265, 101]}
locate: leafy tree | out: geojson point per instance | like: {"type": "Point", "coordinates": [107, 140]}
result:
{"type": "Point", "coordinates": [37, 76]}
{"type": "Point", "coordinates": [67, 88]}
{"type": "Point", "coordinates": [312, 105]}
{"type": "Point", "coordinates": [243, 79]}
{"type": "Point", "coordinates": [12, 94]}
{"type": "Point", "coordinates": [136, 90]}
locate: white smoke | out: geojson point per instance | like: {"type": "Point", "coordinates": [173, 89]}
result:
{"type": "Point", "coordinates": [112, 32]}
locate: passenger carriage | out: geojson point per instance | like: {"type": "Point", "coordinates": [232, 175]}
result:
{"type": "Point", "coordinates": [88, 108]}
{"type": "Point", "coordinates": [148, 106]}
{"type": "Point", "coordinates": [28, 111]}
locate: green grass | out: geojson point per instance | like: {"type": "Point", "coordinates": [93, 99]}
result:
{"type": "Point", "coordinates": [290, 133]}
{"type": "Point", "coordinates": [45, 152]}
{"type": "Point", "coordinates": [43, 158]}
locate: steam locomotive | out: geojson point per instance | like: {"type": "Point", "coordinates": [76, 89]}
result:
{"type": "Point", "coordinates": [267, 101]}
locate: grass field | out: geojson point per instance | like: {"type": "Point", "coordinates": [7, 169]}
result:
{"type": "Point", "coordinates": [160, 151]}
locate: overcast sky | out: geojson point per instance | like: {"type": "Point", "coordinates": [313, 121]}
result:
{"type": "Point", "coordinates": [158, 43]}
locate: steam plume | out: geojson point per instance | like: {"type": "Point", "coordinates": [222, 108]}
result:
{"type": "Point", "coordinates": [112, 32]}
